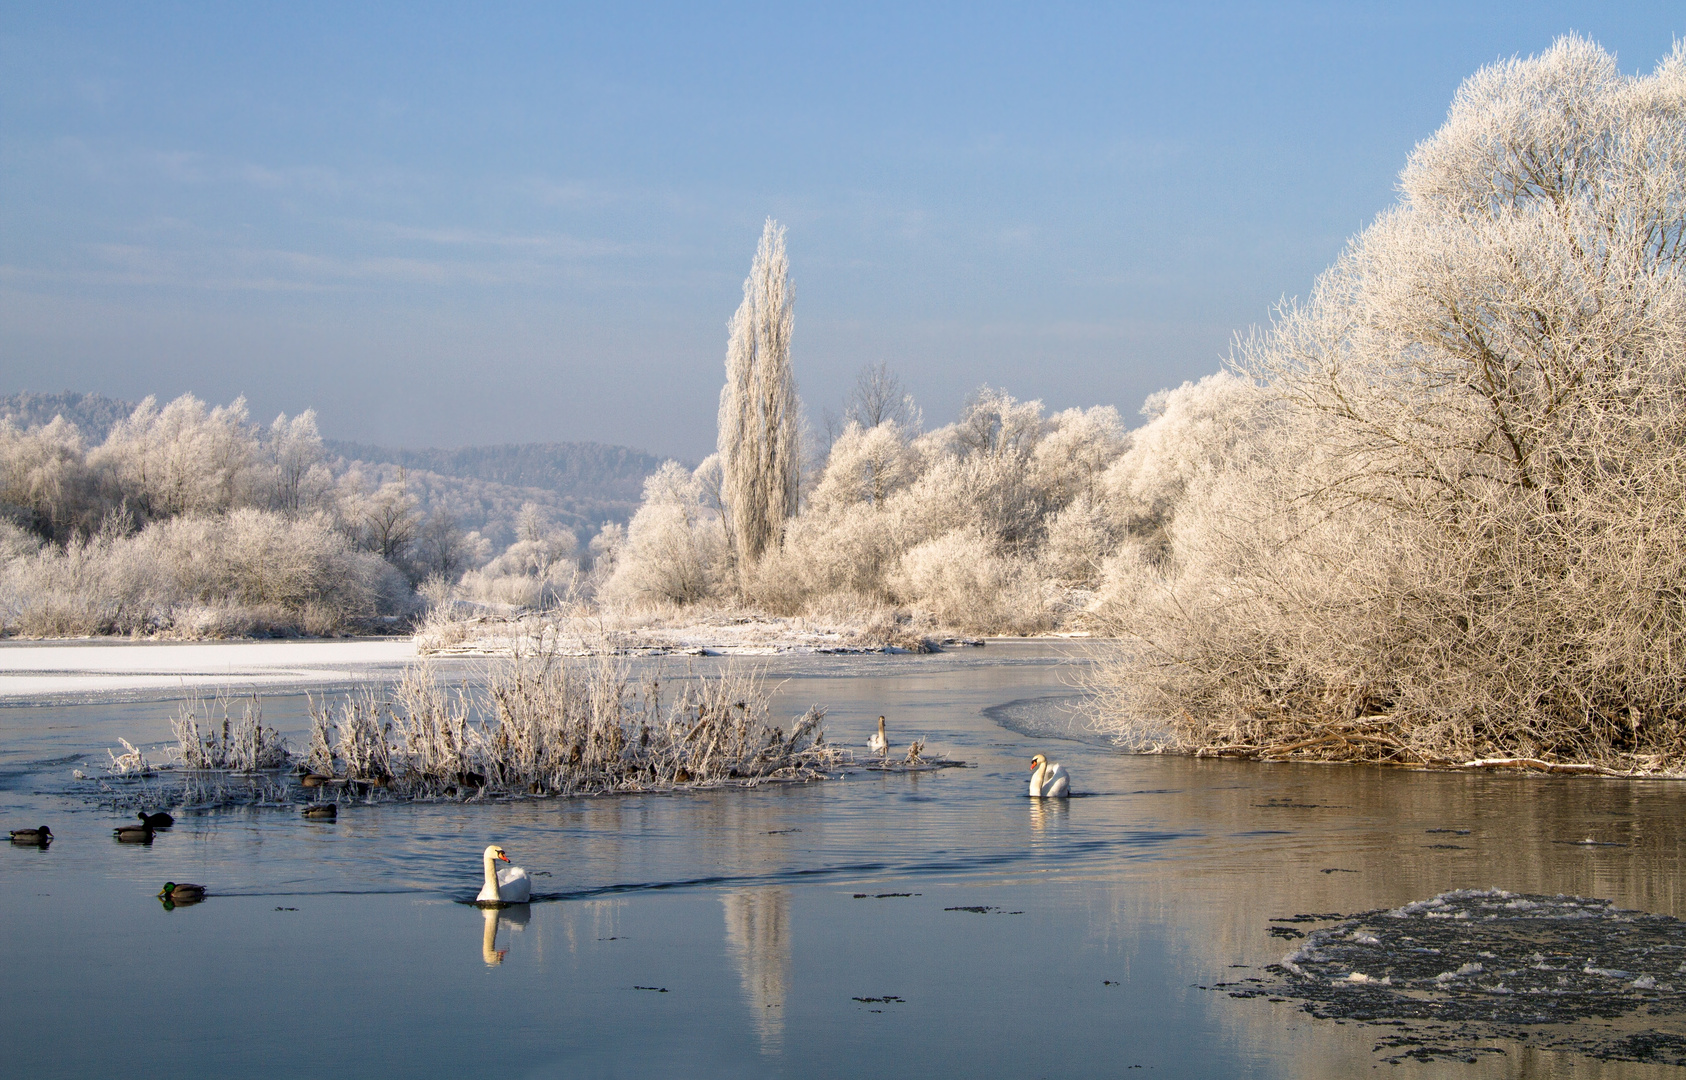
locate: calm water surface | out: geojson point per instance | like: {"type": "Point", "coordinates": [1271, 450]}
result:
{"type": "Point", "coordinates": [724, 934]}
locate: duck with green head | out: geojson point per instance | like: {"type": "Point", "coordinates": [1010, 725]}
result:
{"type": "Point", "coordinates": [175, 892]}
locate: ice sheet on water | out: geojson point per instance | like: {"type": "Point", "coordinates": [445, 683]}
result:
{"type": "Point", "coordinates": [1476, 964]}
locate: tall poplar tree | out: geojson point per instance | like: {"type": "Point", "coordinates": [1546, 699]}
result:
{"type": "Point", "coordinates": [757, 437]}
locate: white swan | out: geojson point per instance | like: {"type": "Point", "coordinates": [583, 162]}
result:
{"type": "Point", "coordinates": [878, 744]}
{"type": "Point", "coordinates": [1048, 781]}
{"type": "Point", "coordinates": [507, 886]}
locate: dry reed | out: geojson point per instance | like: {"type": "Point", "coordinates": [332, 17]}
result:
{"type": "Point", "coordinates": [536, 725]}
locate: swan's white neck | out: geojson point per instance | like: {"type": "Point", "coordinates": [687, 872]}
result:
{"type": "Point", "coordinates": [492, 876]}
{"type": "Point", "coordinates": [1036, 779]}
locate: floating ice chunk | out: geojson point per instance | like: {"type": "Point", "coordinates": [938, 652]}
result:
{"type": "Point", "coordinates": [1608, 973]}
{"type": "Point", "coordinates": [1644, 982]}
{"type": "Point", "coordinates": [1364, 938]}
{"type": "Point", "coordinates": [1467, 969]}
{"type": "Point", "coordinates": [1360, 977]}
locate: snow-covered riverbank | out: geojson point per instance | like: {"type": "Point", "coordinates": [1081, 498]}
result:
{"type": "Point", "coordinates": [697, 633]}
{"type": "Point", "coordinates": [31, 672]}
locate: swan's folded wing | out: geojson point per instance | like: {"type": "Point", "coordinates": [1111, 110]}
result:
{"type": "Point", "coordinates": [514, 886]}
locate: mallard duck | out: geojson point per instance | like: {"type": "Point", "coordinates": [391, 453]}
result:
{"type": "Point", "coordinates": [160, 820]}
{"type": "Point", "coordinates": [313, 780]}
{"type": "Point", "coordinates": [181, 893]}
{"type": "Point", "coordinates": [1048, 781]}
{"type": "Point", "coordinates": [40, 836]}
{"type": "Point", "coordinates": [139, 833]}
{"type": "Point", "coordinates": [507, 886]}
{"type": "Point", "coordinates": [322, 811]}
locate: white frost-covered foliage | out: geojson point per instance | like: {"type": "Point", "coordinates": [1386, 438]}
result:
{"type": "Point", "coordinates": [675, 548]}
{"type": "Point", "coordinates": [181, 459]}
{"type": "Point", "coordinates": [537, 571]}
{"type": "Point", "coordinates": [186, 520]}
{"type": "Point", "coordinates": [200, 575]}
{"type": "Point", "coordinates": [981, 523]}
{"type": "Point", "coordinates": [758, 441]}
{"type": "Point", "coordinates": [1459, 535]}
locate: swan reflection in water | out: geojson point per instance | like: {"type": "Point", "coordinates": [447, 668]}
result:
{"type": "Point", "coordinates": [514, 916]}
{"type": "Point", "coordinates": [1048, 814]}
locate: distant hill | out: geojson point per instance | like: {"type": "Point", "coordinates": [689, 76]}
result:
{"type": "Point", "coordinates": [613, 473]}
{"type": "Point", "coordinates": [93, 414]}
{"type": "Point", "coordinates": [583, 484]}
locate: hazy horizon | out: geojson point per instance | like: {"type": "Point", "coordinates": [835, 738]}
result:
{"type": "Point", "coordinates": [443, 230]}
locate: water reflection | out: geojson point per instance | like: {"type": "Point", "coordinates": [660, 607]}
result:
{"type": "Point", "coordinates": [515, 916]}
{"type": "Point", "coordinates": [758, 939]}
{"type": "Point", "coordinates": [1131, 900]}
{"type": "Point", "coordinates": [1048, 813]}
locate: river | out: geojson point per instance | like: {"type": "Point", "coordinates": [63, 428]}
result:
{"type": "Point", "coordinates": [921, 925]}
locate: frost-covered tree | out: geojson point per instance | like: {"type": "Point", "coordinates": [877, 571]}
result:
{"type": "Point", "coordinates": [1461, 535]}
{"type": "Point", "coordinates": [45, 485]}
{"type": "Point", "coordinates": [866, 465]}
{"type": "Point", "coordinates": [181, 459]}
{"type": "Point", "coordinates": [383, 521]}
{"type": "Point", "coordinates": [758, 409]}
{"type": "Point", "coordinates": [293, 453]}
{"type": "Point", "coordinates": [878, 397]}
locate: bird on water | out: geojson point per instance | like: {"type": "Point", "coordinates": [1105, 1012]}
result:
{"type": "Point", "coordinates": [175, 892]}
{"type": "Point", "coordinates": [878, 743]}
{"type": "Point", "coordinates": [1048, 781]}
{"type": "Point", "coordinates": [510, 885]}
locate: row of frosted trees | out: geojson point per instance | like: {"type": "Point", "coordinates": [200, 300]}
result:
{"type": "Point", "coordinates": [190, 520]}
{"type": "Point", "coordinates": [1008, 520]}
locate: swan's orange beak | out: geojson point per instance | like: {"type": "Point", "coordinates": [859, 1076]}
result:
{"type": "Point", "coordinates": [502, 856]}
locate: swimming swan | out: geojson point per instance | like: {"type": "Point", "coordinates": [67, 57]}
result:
{"type": "Point", "coordinates": [1048, 781]}
{"type": "Point", "coordinates": [878, 744]}
{"type": "Point", "coordinates": [508, 886]}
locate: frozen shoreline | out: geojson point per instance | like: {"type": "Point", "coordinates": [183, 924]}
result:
{"type": "Point", "coordinates": [704, 634]}
{"type": "Point", "coordinates": [35, 672]}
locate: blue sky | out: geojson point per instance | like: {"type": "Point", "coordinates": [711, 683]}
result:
{"type": "Point", "coordinates": [490, 223]}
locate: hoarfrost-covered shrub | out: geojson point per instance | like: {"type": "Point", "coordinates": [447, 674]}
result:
{"type": "Point", "coordinates": [1068, 462]}
{"type": "Point", "coordinates": [1080, 538]}
{"type": "Point", "coordinates": [675, 550]}
{"type": "Point", "coordinates": [537, 571]}
{"type": "Point", "coordinates": [961, 579]}
{"type": "Point", "coordinates": [867, 465]}
{"type": "Point", "coordinates": [1214, 423]}
{"type": "Point", "coordinates": [45, 484]}
{"type": "Point", "coordinates": [252, 570]}
{"type": "Point", "coordinates": [848, 550]}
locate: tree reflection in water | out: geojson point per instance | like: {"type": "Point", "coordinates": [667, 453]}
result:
{"type": "Point", "coordinates": [758, 940]}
